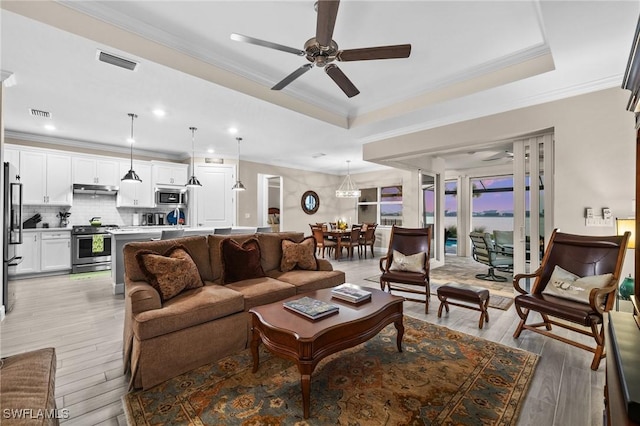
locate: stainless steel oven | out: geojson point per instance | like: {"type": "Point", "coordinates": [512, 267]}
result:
{"type": "Point", "coordinates": [90, 248]}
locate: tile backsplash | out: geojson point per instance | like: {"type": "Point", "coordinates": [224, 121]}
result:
{"type": "Point", "coordinates": [86, 206]}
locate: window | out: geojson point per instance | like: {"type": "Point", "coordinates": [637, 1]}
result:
{"type": "Point", "coordinates": [381, 205]}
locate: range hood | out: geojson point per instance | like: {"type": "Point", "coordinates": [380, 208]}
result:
{"type": "Point", "coordinates": [79, 188]}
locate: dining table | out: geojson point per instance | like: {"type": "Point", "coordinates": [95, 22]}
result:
{"type": "Point", "coordinates": [338, 235]}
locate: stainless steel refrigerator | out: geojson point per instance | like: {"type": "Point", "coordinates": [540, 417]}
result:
{"type": "Point", "coordinates": [12, 228]}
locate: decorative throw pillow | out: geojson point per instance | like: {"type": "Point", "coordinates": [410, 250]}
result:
{"type": "Point", "coordinates": [411, 263]}
{"type": "Point", "coordinates": [171, 272]}
{"type": "Point", "coordinates": [240, 261]}
{"type": "Point", "coordinates": [301, 255]}
{"type": "Point", "coordinates": [569, 286]}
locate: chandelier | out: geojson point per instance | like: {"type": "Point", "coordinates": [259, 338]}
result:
{"type": "Point", "coordinates": [348, 189]}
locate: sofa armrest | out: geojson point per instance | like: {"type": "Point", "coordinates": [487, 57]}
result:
{"type": "Point", "coordinates": [142, 296]}
{"type": "Point", "coordinates": [324, 265]}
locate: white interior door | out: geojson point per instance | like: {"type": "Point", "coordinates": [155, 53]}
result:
{"type": "Point", "coordinates": [215, 201]}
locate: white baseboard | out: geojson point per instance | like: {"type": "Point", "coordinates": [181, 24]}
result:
{"type": "Point", "coordinates": [2, 314]}
{"type": "Point", "coordinates": [118, 288]}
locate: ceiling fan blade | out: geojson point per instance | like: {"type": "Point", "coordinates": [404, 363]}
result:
{"type": "Point", "coordinates": [370, 53]}
{"type": "Point", "coordinates": [263, 43]}
{"type": "Point", "coordinates": [327, 12]}
{"type": "Point", "coordinates": [288, 79]}
{"type": "Point", "coordinates": [341, 80]}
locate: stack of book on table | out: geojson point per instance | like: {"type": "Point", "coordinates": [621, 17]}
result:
{"type": "Point", "coordinates": [350, 293]}
{"type": "Point", "coordinates": [311, 308]}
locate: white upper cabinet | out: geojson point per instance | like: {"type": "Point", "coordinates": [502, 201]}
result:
{"type": "Point", "coordinates": [46, 178]}
{"type": "Point", "coordinates": [173, 174]}
{"type": "Point", "coordinates": [93, 171]}
{"type": "Point", "coordinates": [13, 157]}
{"type": "Point", "coordinates": [133, 194]}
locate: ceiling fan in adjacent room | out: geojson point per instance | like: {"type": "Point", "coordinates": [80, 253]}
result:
{"type": "Point", "coordinates": [322, 51]}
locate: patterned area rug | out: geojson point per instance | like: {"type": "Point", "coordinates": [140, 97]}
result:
{"type": "Point", "coordinates": [442, 377]}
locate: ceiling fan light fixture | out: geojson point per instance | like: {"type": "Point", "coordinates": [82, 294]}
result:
{"type": "Point", "coordinates": [238, 186]}
{"type": "Point", "coordinates": [348, 189]}
{"type": "Point", "coordinates": [131, 175]}
{"type": "Point", "coordinates": [193, 181]}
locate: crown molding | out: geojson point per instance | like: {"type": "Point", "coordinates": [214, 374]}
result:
{"type": "Point", "coordinates": [90, 146]}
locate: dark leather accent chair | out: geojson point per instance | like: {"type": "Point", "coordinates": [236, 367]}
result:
{"type": "Point", "coordinates": [582, 256]}
{"type": "Point", "coordinates": [485, 252]}
{"type": "Point", "coordinates": [408, 241]}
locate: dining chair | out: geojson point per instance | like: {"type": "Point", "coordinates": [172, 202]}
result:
{"type": "Point", "coordinates": [368, 239]}
{"type": "Point", "coordinates": [351, 241]}
{"type": "Point", "coordinates": [322, 244]}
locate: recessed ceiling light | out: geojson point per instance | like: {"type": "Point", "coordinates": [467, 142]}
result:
{"type": "Point", "coordinates": [159, 112]}
{"type": "Point", "coordinates": [50, 127]}
{"type": "Point", "coordinates": [210, 151]}
{"type": "Point", "coordinates": [233, 130]}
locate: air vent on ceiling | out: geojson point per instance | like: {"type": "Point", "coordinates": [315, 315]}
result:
{"type": "Point", "coordinates": [39, 113]}
{"type": "Point", "coordinates": [318, 155]}
{"type": "Point", "coordinates": [116, 60]}
{"type": "Point", "coordinates": [209, 160]}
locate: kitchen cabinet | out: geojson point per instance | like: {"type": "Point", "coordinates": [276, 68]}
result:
{"type": "Point", "coordinates": [43, 251]}
{"type": "Point", "coordinates": [170, 174]}
{"type": "Point", "coordinates": [48, 180]}
{"type": "Point", "coordinates": [13, 157]}
{"type": "Point", "coordinates": [136, 194]}
{"type": "Point", "coordinates": [55, 251]}
{"type": "Point", "coordinates": [92, 171]}
{"type": "Point", "coordinates": [30, 252]}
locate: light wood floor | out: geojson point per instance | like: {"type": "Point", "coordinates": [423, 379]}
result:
{"type": "Point", "coordinates": [83, 320]}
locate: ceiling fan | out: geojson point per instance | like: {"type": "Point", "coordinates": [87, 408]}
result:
{"type": "Point", "coordinates": [322, 51]}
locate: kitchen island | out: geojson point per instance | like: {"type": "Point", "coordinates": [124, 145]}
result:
{"type": "Point", "coordinates": [122, 236]}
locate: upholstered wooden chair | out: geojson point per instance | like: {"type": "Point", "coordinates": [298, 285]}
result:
{"type": "Point", "coordinates": [407, 263]}
{"type": "Point", "coordinates": [352, 241]}
{"type": "Point", "coordinates": [485, 252]}
{"type": "Point", "coordinates": [576, 283]}
{"type": "Point", "coordinates": [322, 244]}
{"type": "Point", "coordinates": [368, 238]}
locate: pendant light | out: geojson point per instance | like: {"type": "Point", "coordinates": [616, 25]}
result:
{"type": "Point", "coordinates": [348, 188]}
{"type": "Point", "coordinates": [131, 176]}
{"type": "Point", "coordinates": [193, 180]}
{"type": "Point", "coordinates": [238, 185]}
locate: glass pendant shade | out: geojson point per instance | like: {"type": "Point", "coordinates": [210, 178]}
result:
{"type": "Point", "coordinates": [193, 181]}
{"type": "Point", "coordinates": [348, 189]}
{"type": "Point", "coordinates": [238, 186]}
{"type": "Point", "coordinates": [131, 175]}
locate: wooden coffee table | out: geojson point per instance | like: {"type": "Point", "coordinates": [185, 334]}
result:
{"type": "Point", "coordinates": [306, 342]}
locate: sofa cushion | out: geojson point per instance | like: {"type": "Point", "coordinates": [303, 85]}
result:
{"type": "Point", "coordinates": [215, 253]}
{"type": "Point", "coordinates": [300, 255]}
{"type": "Point", "coordinates": [260, 291]}
{"type": "Point", "coordinates": [171, 272]}
{"type": "Point", "coordinates": [189, 308]}
{"type": "Point", "coordinates": [196, 246]}
{"type": "Point", "coordinates": [240, 261]}
{"type": "Point", "coordinates": [28, 383]}
{"type": "Point", "coordinates": [309, 280]}
{"type": "Point", "coordinates": [271, 247]}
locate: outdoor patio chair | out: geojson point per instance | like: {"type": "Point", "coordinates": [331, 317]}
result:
{"type": "Point", "coordinates": [576, 283]}
{"type": "Point", "coordinates": [407, 263]}
{"type": "Point", "coordinates": [484, 252]}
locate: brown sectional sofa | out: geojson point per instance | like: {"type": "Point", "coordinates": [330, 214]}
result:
{"type": "Point", "coordinates": [199, 326]}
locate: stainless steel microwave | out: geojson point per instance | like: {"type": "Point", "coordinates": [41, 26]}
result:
{"type": "Point", "coordinates": [171, 197]}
